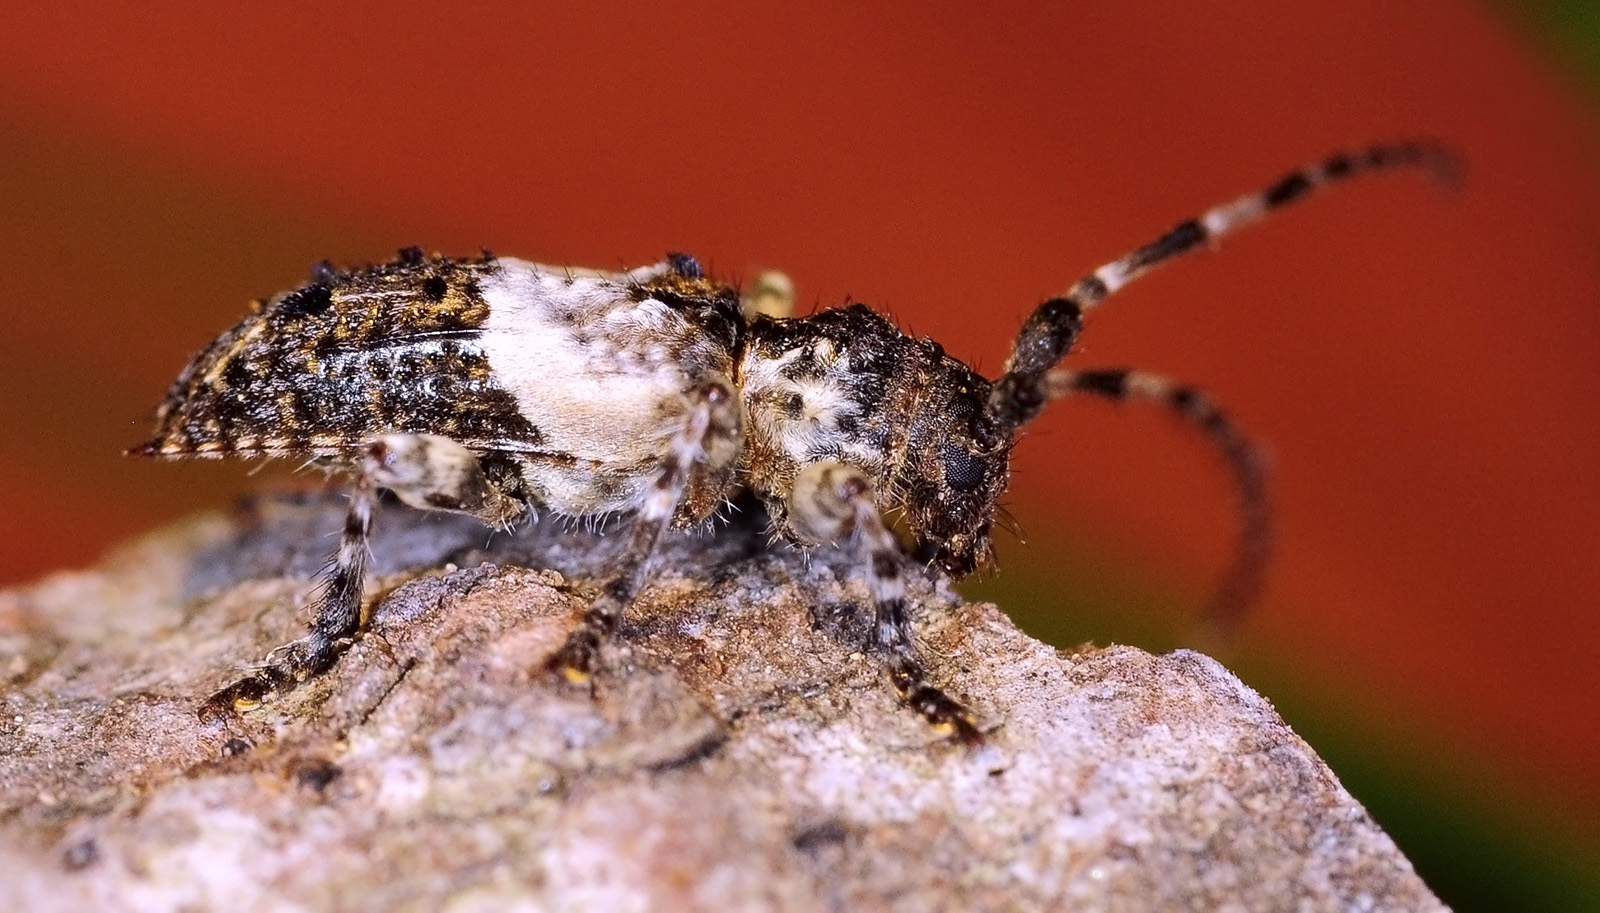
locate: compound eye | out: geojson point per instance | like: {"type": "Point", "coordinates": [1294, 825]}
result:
{"type": "Point", "coordinates": [962, 471]}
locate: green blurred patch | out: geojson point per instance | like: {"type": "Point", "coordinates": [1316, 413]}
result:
{"type": "Point", "coordinates": [1569, 29]}
{"type": "Point", "coordinates": [1479, 843]}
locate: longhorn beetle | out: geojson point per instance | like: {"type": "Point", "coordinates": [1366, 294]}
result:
{"type": "Point", "coordinates": [496, 388]}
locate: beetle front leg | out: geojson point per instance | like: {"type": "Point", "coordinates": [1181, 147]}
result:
{"type": "Point", "coordinates": [832, 502]}
{"type": "Point", "coordinates": [425, 471]}
{"type": "Point", "coordinates": [708, 438]}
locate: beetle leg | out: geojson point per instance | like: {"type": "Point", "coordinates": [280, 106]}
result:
{"type": "Point", "coordinates": [712, 422]}
{"type": "Point", "coordinates": [832, 502]}
{"type": "Point", "coordinates": [425, 471]}
{"type": "Point", "coordinates": [772, 295]}
{"type": "Point", "coordinates": [430, 472]}
{"type": "Point", "coordinates": [337, 618]}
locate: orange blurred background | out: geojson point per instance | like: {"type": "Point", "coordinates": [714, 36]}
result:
{"type": "Point", "coordinates": [1423, 367]}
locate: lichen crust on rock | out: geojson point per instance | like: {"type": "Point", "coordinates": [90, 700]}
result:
{"type": "Point", "coordinates": [738, 751]}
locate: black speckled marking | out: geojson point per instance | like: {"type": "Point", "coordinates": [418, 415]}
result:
{"type": "Point", "coordinates": [311, 301]}
{"type": "Point", "coordinates": [392, 347]}
{"type": "Point", "coordinates": [434, 288]}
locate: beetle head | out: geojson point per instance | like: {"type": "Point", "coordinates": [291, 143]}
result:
{"type": "Point", "coordinates": [956, 468]}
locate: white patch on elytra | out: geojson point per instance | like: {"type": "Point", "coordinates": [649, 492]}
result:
{"type": "Point", "coordinates": [594, 371]}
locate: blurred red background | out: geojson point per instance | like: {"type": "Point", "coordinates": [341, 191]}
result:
{"type": "Point", "coordinates": [1424, 368]}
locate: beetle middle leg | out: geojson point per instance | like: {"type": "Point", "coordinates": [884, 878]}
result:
{"type": "Point", "coordinates": [425, 471]}
{"type": "Point", "coordinates": [832, 502]}
{"type": "Point", "coordinates": [707, 439]}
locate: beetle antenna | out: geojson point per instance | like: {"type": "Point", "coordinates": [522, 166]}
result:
{"type": "Point", "coordinates": [1050, 331]}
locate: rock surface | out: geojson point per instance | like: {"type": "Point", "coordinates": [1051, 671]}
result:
{"type": "Point", "coordinates": [741, 752]}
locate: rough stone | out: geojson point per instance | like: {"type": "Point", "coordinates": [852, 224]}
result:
{"type": "Point", "coordinates": [741, 751]}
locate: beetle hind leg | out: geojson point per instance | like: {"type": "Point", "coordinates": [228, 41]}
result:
{"type": "Point", "coordinates": [424, 471]}
{"type": "Point", "coordinates": [338, 616]}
